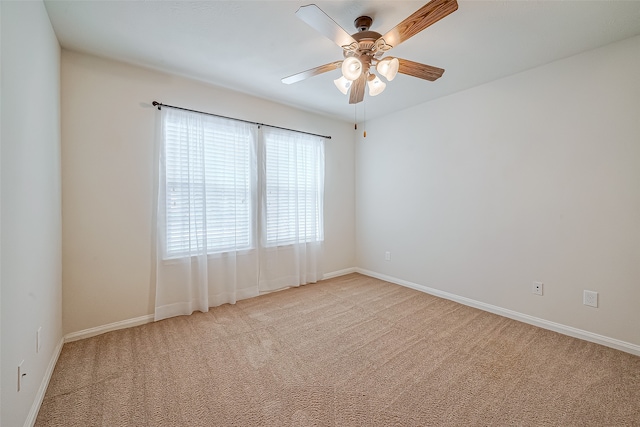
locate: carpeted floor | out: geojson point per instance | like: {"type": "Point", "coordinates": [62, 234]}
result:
{"type": "Point", "coordinates": [350, 351]}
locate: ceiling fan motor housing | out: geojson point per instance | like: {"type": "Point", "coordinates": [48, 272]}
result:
{"type": "Point", "coordinates": [365, 39]}
{"type": "Point", "coordinates": [364, 51]}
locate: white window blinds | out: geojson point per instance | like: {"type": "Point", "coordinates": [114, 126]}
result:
{"type": "Point", "coordinates": [218, 189]}
{"type": "Point", "coordinates": [209, 181]}
{"type": "Point", "coordinates": [294, 187]}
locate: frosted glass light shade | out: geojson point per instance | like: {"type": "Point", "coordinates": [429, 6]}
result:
{"type": "Point", "coordinates": [376, 86]}
{"type": "Point", "coordinates": [351, 68]}
{"type": "Point", "coordinates": [388, 67]}
{"type": "Point", "coordinates": [342, 84]}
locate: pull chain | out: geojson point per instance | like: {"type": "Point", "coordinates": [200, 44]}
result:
{"type": "Point", "coordinates": [364, 118]}
{"type": "Point", "coordinates": [355, 116]}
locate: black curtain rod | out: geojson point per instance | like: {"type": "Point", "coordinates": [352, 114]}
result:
{"type": "Point", "coordinates": [159, 105]}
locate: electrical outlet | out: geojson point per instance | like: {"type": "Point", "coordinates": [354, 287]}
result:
{"type": "Point", "coordinates": [537, 288]}
{"type": "Point", "coordinates": [387, 256]}
{"type": "Point", "coordinates": [590, 298]}
{"type": "Point", "coordinates": [38, 339]}
{"type": "Point", "coordinates": [21, 374]}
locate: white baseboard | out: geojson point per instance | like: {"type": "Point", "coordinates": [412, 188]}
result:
{"type": "Point", "coordinates": [342, 272]}
{"type": "Point", "coordinates": [536, 321]}
{"type": "Point", "coordinates": [37, 402]}
{"type": "Point", "coordinates": [91, 332]}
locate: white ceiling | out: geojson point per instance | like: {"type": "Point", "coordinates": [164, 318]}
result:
{"type": "Point", "coordinates": [249, 46]}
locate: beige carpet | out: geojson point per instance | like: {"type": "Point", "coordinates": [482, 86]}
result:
{"type": "Point", "coordinates": [351, 351]}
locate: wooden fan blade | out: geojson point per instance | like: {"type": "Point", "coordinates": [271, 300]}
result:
{"type": "Point", "coordinates": [312, 72]}
{"type": "Point", "coordinates": [357, 89]}
{"type": "Point", "coordinates": [427, 15]}
{"type": "Point", "coordinates": [419, 70]}
{"type": "Point", "coordinates": [321, 22]}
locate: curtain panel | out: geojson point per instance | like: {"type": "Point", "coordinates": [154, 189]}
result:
{"type": "Point", "coordinates": [239, 211]}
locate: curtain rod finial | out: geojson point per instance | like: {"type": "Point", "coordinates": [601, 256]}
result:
{"type": "Point", "coordinates": [156, 104]}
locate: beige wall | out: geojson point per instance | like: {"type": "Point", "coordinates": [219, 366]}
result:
{"type": "Point", "coordinates": [108, 130]}
{"type": "Point", "coordinates": [31, 211]}
{"type": "Point", "coordinates": [532, 177]}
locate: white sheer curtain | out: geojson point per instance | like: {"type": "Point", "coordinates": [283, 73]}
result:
{"type": "Point", "coordinates": [291, 209]}
{"type": "Point", "coordinates": [239, 211]}
{"type": "Point", "coordinates": [206, 213]}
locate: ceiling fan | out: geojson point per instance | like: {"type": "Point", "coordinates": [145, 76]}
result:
{"type": "Point", "coordinates": [365, 49]}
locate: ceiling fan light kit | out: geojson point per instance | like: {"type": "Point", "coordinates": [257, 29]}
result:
{"type": "Point", "coordinates": [388, 67]}
{"type": "Point", "coordinates": [376, 86]}
{"type": "Point", "coordinates": [365, 49]}
{"type": "Point", "coordinates": [343, 84]}
{"type": "Point", "coordinates": [351, 68]}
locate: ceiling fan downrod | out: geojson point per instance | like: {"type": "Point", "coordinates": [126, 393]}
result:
{"type": "Point", "coordinates": [363, 23]}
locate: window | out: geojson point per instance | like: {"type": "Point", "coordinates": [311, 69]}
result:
{"type": "Point", "coordinates": [294, 168]}
{"type": "Point", "coordinates": [216, 192]}
{"type": "Point", "coordinates": [209, 182]}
